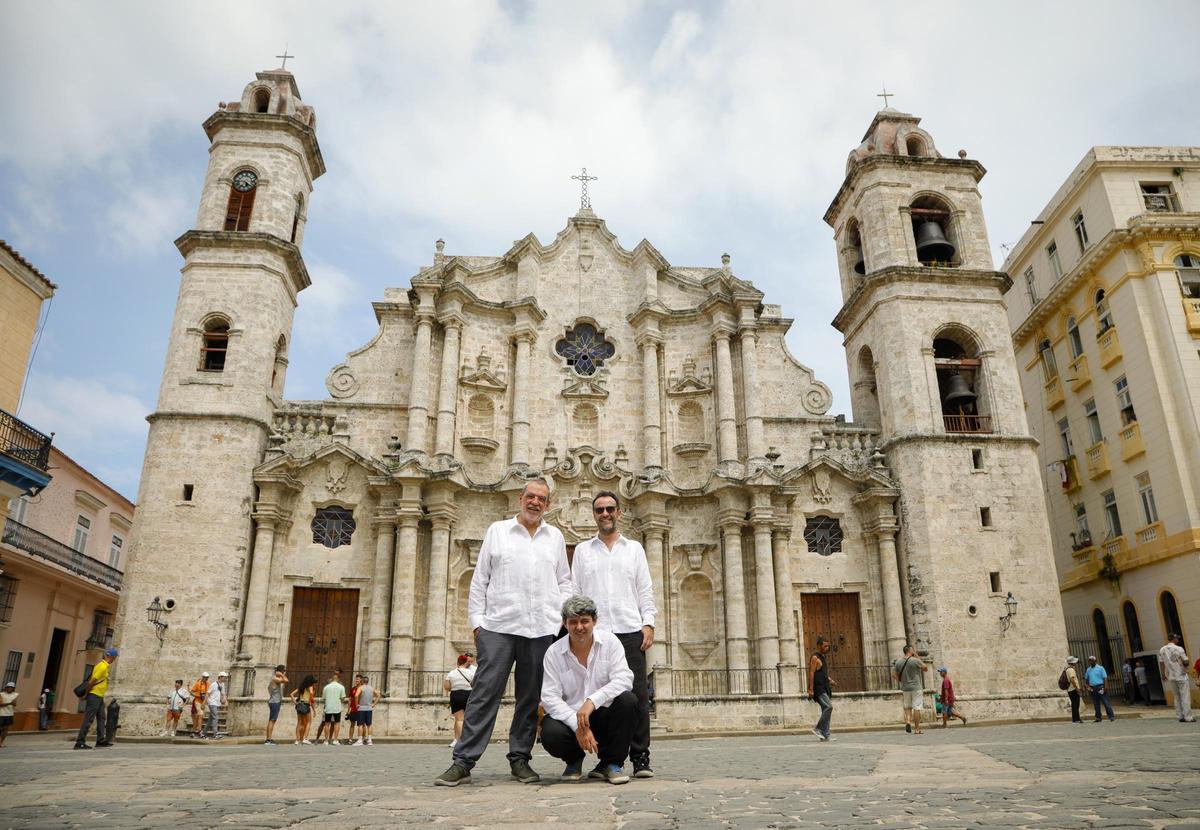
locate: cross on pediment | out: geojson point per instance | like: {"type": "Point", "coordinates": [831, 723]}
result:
{"type": "Point", "coordinates": [285, 57]}
{"type": "Point", "coordinates": [585, 201]}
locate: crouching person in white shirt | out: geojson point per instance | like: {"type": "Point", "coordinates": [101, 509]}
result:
{"type": "Point", "coordinates": [587, 694]}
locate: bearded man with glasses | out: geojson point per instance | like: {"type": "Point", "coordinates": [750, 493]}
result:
{"type": "Point", "coordinates": [611, 569]}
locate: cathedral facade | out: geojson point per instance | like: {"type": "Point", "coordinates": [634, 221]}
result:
{"type": "Point", "coordinates": [343, 532]}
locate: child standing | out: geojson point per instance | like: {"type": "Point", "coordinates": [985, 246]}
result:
{"type": "Point", "coordinates": [175, 704]}
{"type": "Point", "coordinates": [949, 710]}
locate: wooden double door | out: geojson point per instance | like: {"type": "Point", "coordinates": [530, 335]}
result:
{"type": "Point", "coordinates": [836, 617]}
{"type": "Point", "coordinates": [324, 624]}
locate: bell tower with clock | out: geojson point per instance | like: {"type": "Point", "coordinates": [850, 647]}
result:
{"type": "Point", "coordinates": [222, 380]}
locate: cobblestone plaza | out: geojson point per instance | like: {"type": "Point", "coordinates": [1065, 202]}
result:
{"type": "Point", "coordinates": [1131, 773]}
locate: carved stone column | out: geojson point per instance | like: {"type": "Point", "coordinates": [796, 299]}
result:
{"type": "Point", "coordinates": [418, 400]}
{"type": "Point", "coordinates": [889, 575]}
{"type": "Point", "coordinates": [766, 620]}
{"type": "Point", "coordinates": [789, 648]}
{"type": "Point", "coordinates": [737, 642]}
{"type": "Point", "coordinates": [435, 599]}
{"type": "Point", "coordinates": [381, 591]}
{"type": "Point", "coordinates": [520, 413]}
{"type": "Point", "coordinates": [448, 389]}
{"type": "Point", "coordinates": [404, 577]}
{"type": "Point", "coordinates": [260, 578]}
{"type": "Point", "coordinates": [654, 540]}
{"type": "Point", "coordinates": [756, 446]}
{"type": "Point", "coordinates": [726, 412]}
{"type": "Point", "coordinates": [651, 400]}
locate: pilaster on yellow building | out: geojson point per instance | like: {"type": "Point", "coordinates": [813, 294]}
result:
{"type": "Point", "coordinates": [1105, 317]}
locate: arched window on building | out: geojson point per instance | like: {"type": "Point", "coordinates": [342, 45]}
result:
{"type": "Point", "coordinates": [1073, 339]}
{"type": "Point", "coordinates": [214, 347]}
{"type": "Point", "coordinates": [1187, 266]}
{"type": "Point", "coordinates": [1170, 614]}
{"type": "Point", "coordinates": [914, 145]}
{"type": "Point", "coordinates": [262, 99]}
{"type": "Point", "coordinates": [1133, 630]}
{"type": "Point", "coordinates": [241, 200]}
{"type": "Point", "coordinates": [333, 526]}
{"type": "Point", "coordinates": [960, 381]}
{"type": "Point", "coordinates": [866, 392]}
{"type": "Point", "coordinates": [823, 535]}
{"type": "Point", "coordinates": [1103, 646]}
{"type": "Point", "coordinates": [1104, 320]}
{"type": "Point", "coordinates": [854, 246]}
{"type": "Point", "coordinates": [296, 217]}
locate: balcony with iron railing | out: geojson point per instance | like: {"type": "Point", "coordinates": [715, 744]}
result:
{"type": "Point", "coordinates": [24, 457]}
{"type": "Point", "coordinates": [44, 547]}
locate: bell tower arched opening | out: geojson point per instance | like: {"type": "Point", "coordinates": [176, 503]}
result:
{"type": "Point", "coordinates": [959, 368]}
{"type": "Point", "coordinates": [934, 232]}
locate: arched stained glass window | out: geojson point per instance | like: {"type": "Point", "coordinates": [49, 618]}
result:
{"type": "Point", "coordinates": [584, 348]}
{"type": "Point", "coordinates": [823, 535]}
{"type": "Point", "coordinates": [333, 526]}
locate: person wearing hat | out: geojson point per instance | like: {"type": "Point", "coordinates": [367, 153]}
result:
{"type": "Point", "coordinates": [1072, 676]}
{"type": "Point", "coordinates": [217, 696]}
{"type": "Point", "coordinates": [45, 709]}
{"type": "Point", "coordinates": [7, 698]}
{"type": "Point", "coordinates": [199, 696]}
{"type": "Point", "coordinates": [458, 683]}
{"type": "Point", "coordinates": [1095, 677]}
{"type": "Point", "coordinates": [97, 685]}
{"type": "Point", "coordinates": [949, 710]}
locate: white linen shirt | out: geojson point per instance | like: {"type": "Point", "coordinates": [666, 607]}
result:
{"type": "Point", "coordinates": [520, 581]}
{"type": "Point", "coordinates": [216, 694]}
{"type": "Point", "coordinates": [566, 683]}
{"type": "Point", "coordinates": [618, 580]}
{"type": "Point", "coordinates": [1176, 661]}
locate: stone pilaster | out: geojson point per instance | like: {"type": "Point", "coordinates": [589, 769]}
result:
{"type": "Point", "coordinates": [737, 642]}
{"type": "Point", "coordinates": [649, 342]}
{"type": "Point", "coordinates": [254, 626]}
{"type": "Point", "coordinates": [520, 415]}
{"type": "Point", "coordinates": [756, 446]}
{"type": "Point", "coordinates": [381, 589]}
{"type": "Point", "coordinates": [764, 583]}
{"type": "Point", "coordinates": [726, 412]}
{"type": "Point", "coordinates": [448, 388]}
{"type": "Point", "coordinates": [789, 648]}
{"type": "Point", "coordinates": [889, 575]}
{"type": "Point", "coordinates": [654, 541]}
{"type": "Point", "coordinates": [418, 402]}
{"type": "Point", "coordinates": [404, 576]}
{"type": "Point", "coordinates": [435, 599]}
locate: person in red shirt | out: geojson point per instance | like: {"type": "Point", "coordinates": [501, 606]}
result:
{"type": "Point", "coordinates": [352, 716]}
{"type": "Point", "coordinates": [949, 710]}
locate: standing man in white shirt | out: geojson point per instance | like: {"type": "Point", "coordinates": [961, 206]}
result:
{"type": "Point", "coordinates": [217, 698]}
{"type": "Point", "coordinates": [611, 569]}
{"type": "Point", "coordinates": [1173, 666]}
{"type": "Point", "coordinates": [520, 581]}
{"type": "Point", "coordinates": [587, 696]}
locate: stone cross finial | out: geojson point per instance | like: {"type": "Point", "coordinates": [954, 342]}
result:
{"type": "Point", "coordinates": [885, 95]}
{"type": "Point", "coordinates": [285, 57]}
{"type": "Point", "coordinates": [585, 201]}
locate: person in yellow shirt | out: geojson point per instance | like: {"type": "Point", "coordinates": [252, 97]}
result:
{"type": "Point", "coordinates": [97, 685]}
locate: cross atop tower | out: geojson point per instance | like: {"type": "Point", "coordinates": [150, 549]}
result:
{"type": "Point", "coordinates": [585, 201]}
{"type": "Point", "coordinates": [285, 57]}
{"type": "Point", "coordinates": [884, 95]}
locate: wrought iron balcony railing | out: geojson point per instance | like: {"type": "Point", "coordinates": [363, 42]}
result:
{"type": "Point", "coordinates": [52, 550]}
{"type": "Point", "coordinates": [24, 443]}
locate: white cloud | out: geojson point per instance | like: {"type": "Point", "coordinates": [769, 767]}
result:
{"type": "Point", "coordinates": [84, 410]}
{"type": "Point", "coordinates": [144, 220]}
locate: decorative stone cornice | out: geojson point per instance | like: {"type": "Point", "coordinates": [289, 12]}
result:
{"type": "Point", "coordinates": [297, 273]}
{"type": "Point", "coordinates": [258, 120]}
{"type": "Point", "coordinates": [924, 274]}
{"type": "Point", "coordinates": [859, 168]}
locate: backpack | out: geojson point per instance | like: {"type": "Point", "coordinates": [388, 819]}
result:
{"type": "Point", "coordinates": [1063, 683]}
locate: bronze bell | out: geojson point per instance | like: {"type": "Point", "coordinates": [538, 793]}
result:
{"type": "Point", "coordinates": [932, 244]}
{"type": "Point", "coordinates": [959, 393]}
{"type": "Point", "coordinates": [860, 267]}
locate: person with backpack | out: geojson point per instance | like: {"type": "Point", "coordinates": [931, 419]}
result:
{"type": "Point", "coordinates": [1068, 681]}
{"type": "Point", "coordinates": [458, 683]}
{"type": "Point", "coordinates": [907, 671]}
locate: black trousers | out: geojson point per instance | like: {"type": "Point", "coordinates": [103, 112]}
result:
{"type": "Point", "coordinates": [1074, 695]}
{"type": "Point", "coordinates": [639, 744]}
{"type": "Point", "coordinates": [612, 726]}
{"type": "Point", "coordinates": [93, 708]}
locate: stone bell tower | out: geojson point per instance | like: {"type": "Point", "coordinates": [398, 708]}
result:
{"type": "Point", "coordinates": [223, 378]}
{"type": "Point", "coordinates": [932, 366]}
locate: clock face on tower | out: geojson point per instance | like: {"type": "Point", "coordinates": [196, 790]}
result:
{"type": "Point", "coordinates": [245, 181]}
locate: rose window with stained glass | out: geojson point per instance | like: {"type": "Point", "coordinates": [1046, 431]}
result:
{"type": "Point", "coordinates": [333, 526]}
{"type": "Point", "coordinates": [584, 348]}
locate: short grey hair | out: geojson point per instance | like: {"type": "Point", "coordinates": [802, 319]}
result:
{"type": "Point", "coordinates": [579, 606]}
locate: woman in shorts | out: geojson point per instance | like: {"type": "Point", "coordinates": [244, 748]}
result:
{"type": "Point", "coordinates": [7, 698]}
{"type": "Point", "coordinates": [458, 683]}
{"type": "Point", "coordinates": [305, 699]}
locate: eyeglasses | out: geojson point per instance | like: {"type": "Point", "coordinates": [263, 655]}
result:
{"type": "Point", "coordinates": [535, 497]}
{"type": "Point", "coordinates": [606, 509]}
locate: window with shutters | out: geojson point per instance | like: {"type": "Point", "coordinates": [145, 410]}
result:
{"type": "Point", "coordinates": [8, 597]}
{"type": "Point", "coordinates": [823, 535]}
{"type": "Point", "coordinates": [83, 526]}
{"type": "Point", "coordinates": [12, 667]}
{"type": "Point", "coordinates": [1159, 198]}
{"type": "Point", "coordinates": [1187, 266]}
{"type": "Point", "coordinates": [1081, 234]}
{"type": "Point", "coordinates": [241, 200]}
{"type": "Point", "coordinates": [215, 345]}
{"type": "Point", "coordinates": [1052, 257]}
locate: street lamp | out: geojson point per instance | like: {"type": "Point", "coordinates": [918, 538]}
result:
{"type": "Point", "coordinates": [1010, 611]}
{"type": "Point", "coordinates": [154, 612]}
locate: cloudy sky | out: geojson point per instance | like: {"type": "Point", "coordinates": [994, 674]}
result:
{"type": "Point", "coordinates": [717, 126]}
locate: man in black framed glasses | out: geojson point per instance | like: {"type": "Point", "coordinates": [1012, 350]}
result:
{"type": "Point", "coordinates": [611, 569]}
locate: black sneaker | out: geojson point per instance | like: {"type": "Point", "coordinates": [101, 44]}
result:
{"type": "Point", "coordinates": [523, 772]}
{"type": "Point", "coordinates": [908, 728]}
{"type": "Point", "coordinates": [641, 768]}
{"type": "Point", "coordinates": [597, 772]}
{"type": "Point", "coordinates": [104, 743]}
{"type": "Point", "coordinates": [82, 746]}
{"type": "Point", "coordinates": [453, 777]}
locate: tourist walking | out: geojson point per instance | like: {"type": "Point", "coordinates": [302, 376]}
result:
{"type": "Point", "coordinates": [8, 699]}
{"type": "Point", "coordinates": [275, 700]}
{"type": "Point", "coordinates": [611, 569]}
{"type": "Point", "coordinates": [199, 693]}
{"type": "Point", "coordinates": [458, 683]}
{"type": "Point", "coordinates": [1073, 687]}
{"type": "Point", "coordinates": [45, 709]}
{"type": "Point", "coordinates": [366, 712]}
{"type": "Point", "coordinates": [520, 582]}
{"type": "Point", "coordinates": [1127, 681]}
{"type": "Point", "coordinates": [588, 698]}
{"type": "Point", "coordinates": [820, 688]}
{"type": "Point", "coordinates": [1143, 682]}
{"type": "Point", "coordinates": [909, 673]}
{"type": "Point", "coordinates": [177, 699]}
{"type": "Point", "coordinates": [333, 696]}
{"type": "Point", "coordinates": [93, 708]}
{"type": "Point", "coordinates": [948, 701]}
{"type": "Point", "coordinates": [1173, 666]}
{"type": "Point", "coordinates": [218, 696]}
{"type": "Point", "coordinates": [1095, 677]}
{"type": "Point", "coordinates": [352, 707]}
{"type": "Point", "coordinates": [304, 699]}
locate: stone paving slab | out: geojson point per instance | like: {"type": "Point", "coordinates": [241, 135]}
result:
{"type": "Point", "coordinates": [1132, 773]}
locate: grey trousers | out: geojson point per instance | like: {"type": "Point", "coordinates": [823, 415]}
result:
{"type": "Point", "coordinates": [498, 653]}
{"type": "Point", "coordinates": [93, 710]}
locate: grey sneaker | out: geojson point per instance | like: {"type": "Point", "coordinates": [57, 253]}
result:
{"type": "Point", "coordinates": [453, 777]}
{"type": "Point", "coordinates": [641, 769]}
{"type": "Point", "coordinates": [614, 774]}
{"type": "Point", "coordinates": [573, 772]}
{"type": "Point", "coordinates": [523, 772]}
{"type": "Point", "coordinates": [597, 772]}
